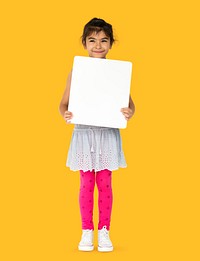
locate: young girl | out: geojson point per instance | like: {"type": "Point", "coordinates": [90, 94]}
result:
{"type": "Point", "coordinates": [95, 151]}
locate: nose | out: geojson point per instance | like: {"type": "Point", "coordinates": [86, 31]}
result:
{"type": "Point", "coordinates": [98, 44]}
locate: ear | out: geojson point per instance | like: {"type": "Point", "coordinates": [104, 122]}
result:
{"type": "Point", "coordinates": [84, 45]}
{"type": "Point", "coordinates": [111, 45]}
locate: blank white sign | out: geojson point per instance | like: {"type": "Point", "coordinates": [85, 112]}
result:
{"type": "Point", "coordinates": [99, 89]}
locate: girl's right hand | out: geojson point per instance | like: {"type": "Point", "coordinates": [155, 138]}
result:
{"type": "Point", "coordinates": [68, 116]}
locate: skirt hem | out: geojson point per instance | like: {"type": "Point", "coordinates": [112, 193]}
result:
{"type": "Point", "coordinates": [111, 169]}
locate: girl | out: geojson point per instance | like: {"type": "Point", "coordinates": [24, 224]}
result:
{"type": "Point", "coordinates": [95, 151]}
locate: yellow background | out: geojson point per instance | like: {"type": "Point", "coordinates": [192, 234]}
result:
{"type": "Point", "coordinates": [156, 199]}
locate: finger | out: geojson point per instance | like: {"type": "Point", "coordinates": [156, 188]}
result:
{"type": "Point", "coordinates": [67, 114]}
{"type": "Point", "coordinates": [67, 118]}
{"type": "Point", "coordinates": [126, 110]}
{"type": "Point", "coordinates": [126, 114]}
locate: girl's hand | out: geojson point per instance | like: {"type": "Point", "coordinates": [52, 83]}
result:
{"type": "Point", "coordinates": [68, 116]}
{"type": "Point", "coordinates": [127, 112]}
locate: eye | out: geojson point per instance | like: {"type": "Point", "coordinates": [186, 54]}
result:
{"type": "Point", "coordinates": [104, 40]}
{"type": "Point", "coordinates": [91, 41]}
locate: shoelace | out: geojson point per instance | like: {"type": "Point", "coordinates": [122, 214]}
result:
{"type": "Point", "coordinates": [105, 235]}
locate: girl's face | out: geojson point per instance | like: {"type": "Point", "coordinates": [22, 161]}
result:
{"type": "Point", "coordinates": [97, 44]}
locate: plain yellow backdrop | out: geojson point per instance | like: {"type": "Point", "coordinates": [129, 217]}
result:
{"type": "Point", "coordinates": [156, 198]}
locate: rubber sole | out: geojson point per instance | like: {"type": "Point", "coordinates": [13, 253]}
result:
{"type": "Point", "coordinates": [86, 248]}
{"type": "Point", "coordinates": [105, 249]}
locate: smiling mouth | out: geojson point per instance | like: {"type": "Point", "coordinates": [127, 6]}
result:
{"type": "Point", "coordinates": [98, 51]}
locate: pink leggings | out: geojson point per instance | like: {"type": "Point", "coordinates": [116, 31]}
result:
{"type": "Point", "coordinates": [86, 197]}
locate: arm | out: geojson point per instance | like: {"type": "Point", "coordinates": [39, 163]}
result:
{"type": "Point", "coordinates": [63, 107]}
{"type": "Point", "coordinates": [128, 112]}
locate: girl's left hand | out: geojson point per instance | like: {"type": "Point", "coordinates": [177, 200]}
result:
{"type": "Point", "coordinates": [127, 112]}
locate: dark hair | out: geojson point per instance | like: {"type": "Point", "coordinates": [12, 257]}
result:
{"type": "Point", "coordinates": [97, 25]}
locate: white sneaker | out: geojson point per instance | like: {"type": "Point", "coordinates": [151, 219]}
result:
{"type": "Point", "coordinates": [86, 243]}
{"type": "Point", "coordinates": [104, 243]}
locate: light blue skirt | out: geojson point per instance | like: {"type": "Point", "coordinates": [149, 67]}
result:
{"type": "Point", "coordinates": [95, 148]}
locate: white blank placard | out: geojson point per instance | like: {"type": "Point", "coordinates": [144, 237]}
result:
{"type": "Point", "coordinates": [99, 89]}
